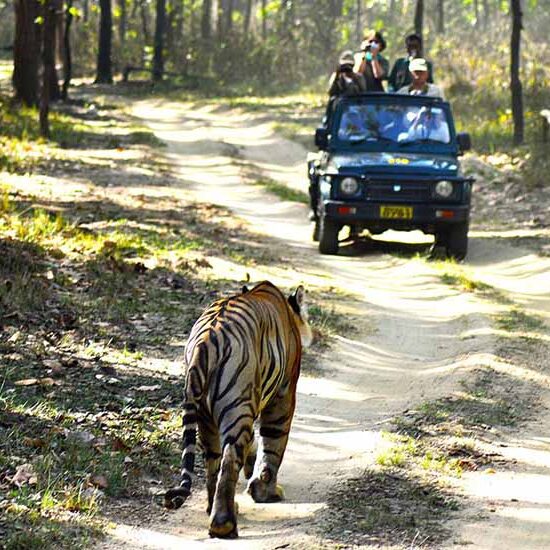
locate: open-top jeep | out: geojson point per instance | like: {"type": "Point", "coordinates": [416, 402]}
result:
{"type": "Point", "coordinates": [389, 161]}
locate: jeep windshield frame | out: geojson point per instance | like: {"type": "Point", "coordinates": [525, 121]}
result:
{"type": "Point", "coordinates": [411, 109]}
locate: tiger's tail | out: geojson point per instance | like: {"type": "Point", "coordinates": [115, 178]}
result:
{"type": "Point", "coordinates": [175, 497]}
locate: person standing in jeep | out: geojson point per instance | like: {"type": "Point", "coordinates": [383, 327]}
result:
{"type": "Point", "coordinates": [371, 64]}
{"type": "Point", "coordinates": [344, 81]}
{"type": "Point", "coordinates": [400, 75]}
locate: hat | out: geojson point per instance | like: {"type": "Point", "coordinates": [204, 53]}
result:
{"type": "Point", "coordinates": [418, 64]}
{"type": "Point", "coordinates": [347, 58]}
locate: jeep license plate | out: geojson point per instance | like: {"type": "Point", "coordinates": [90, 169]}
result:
{"type": "Point", "coordinates": [396, 212]}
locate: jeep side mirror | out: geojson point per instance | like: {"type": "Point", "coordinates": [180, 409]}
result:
{"type": "Point", "coordinates": [464, 141]}
{"type": "Point", "coordinates": [321, 138]}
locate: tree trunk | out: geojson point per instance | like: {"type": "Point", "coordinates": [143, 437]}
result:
{"type": "Point", "coordinates": [144, 21]}
{"type": "Point", "coordinates": [57, 15]}
{"type": "Point", "coordinates": [25, 52]}
{"type": "Point", "coordinates": [486, 13]}
{"type": "Point", "coordinates": [228, 24]}
{"type": "Point", "coordinates": [515, 81]}
{"type": "Point", "coordinates": [158, 55]}
{"type": "Point", "coordinates": [67, 58]}
{"type": "Point", "coordinates": [264, 20]}
{"type": "Point", "coordinates": [122, 22]}
{"type": "Point", "coordinates": [206, 20]}
{"type": "Point", "coordinates": [104, 62]}
{"type": "Point", "coordinates": [476, 13]}
{"type": "Point", "coordinates": [48, 60]}
{"type": "Point", "coordinates": [419, 17]}
{"type": "Point", "coordinates": [247, 18]}
{"type": "Point", "coordinates": [441, 16]}
{"type": "Point", "coordinates": [180, 22]}
{"type": "Point", "coordinates": [359, 22]}
{"type": "Point", "coordinates": [220, 20]}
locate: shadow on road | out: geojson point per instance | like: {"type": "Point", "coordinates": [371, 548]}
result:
{"type": "Point", "coordinates": [367, 246]}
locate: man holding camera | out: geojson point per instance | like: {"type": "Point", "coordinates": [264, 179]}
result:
{"type": "Point", "coordinates": [344, 81]}
{"type": "Point", "coordinates": [400, 74]}
{"type": "Point", "coordinates": [372, 65]}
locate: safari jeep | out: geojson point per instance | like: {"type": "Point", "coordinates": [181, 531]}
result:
{"type": "Point", "coordinates": [389, 161]}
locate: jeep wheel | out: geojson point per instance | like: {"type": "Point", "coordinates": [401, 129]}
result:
{"type": "Point", "coordinates": [457, 241]}
{"type": "Point", "coordinates": [328, 236]}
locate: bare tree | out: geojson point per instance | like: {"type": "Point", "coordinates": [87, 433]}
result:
{"type": "Point", "coordinates": [122, 22]}
{"type": "Point", "coordinates": [25, 53]}
{"type": "Point", "coordinates": [50, 11]}
{"type": "Point", "coordinates": [515, 80]}
{"type": "Point", "coordinates": [158, 54]}
{"type": "Point", "coordinates": [419, 17]}
{"type": "Point", "coordinates": [104, 73]}
{"type": "Point", "coordinates": [247, 18]}
{"type": "Point", "coordinates": [441, 16]}
{"type": "Point", "coordinates": [206, 20]}
{"type": "Point", "coordinates": [67, 57]}
{"type": "Point", "coordinates": [264, 20]}
{"type": "Point", "coordinates": [359, 21]}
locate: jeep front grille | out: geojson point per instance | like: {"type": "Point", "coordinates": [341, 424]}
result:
{"type": "Point", "coordinates": [398, 191]}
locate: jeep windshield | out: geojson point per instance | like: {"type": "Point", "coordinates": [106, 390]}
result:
{"type": "Point", "coordinates": [398, 124]}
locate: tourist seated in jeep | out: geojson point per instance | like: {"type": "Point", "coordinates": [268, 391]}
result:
{"type": "Point", "coordinates": [420, 86]}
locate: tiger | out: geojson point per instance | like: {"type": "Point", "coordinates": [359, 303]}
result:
{"type": "Point", "coordinates": [243, 361]}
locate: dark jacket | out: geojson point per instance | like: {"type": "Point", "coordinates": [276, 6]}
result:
{"type": "Point", "coordinates": [401, 76]}
{"type": "Point", "coordinates": [372, 83]}
{"type": "Point", "coordinates": [338, 85]}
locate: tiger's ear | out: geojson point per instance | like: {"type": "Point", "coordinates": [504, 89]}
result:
{"type": "Point", "coordinates": [296, 299]}
{"type": "Point", "coordinates": [300, 294]}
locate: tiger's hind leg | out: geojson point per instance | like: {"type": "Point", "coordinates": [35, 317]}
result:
{"type": "Point", "coordinates": [210, 441]}
{"type": "Point", "coordinates": [223, 519]}
{"type": "Point", "coordinates": [274, 429]}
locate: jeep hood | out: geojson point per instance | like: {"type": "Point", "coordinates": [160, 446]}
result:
{"type": "Point", "coordinates": [394, 163]}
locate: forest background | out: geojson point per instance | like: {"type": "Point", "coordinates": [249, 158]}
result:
{"type": "Point", "coordinates": [247, 47]}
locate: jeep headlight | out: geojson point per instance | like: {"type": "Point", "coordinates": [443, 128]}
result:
{"type": "Point", "coordinates": [444, 188]}
{"type": "Point", "coordinates": [349, 186]}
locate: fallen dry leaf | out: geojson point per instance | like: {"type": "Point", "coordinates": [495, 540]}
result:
{"type": "Point", "coordinates": [24, 475]}
{"type": "Point", "coordinates": [99, 481]}
{"type": "Point", "coordinates": [34, 381]}
{"type": "Point", "coordinates": [148, 388]}
{"type": "Point", "coordinates": [35, 442]}
{"type": "Point", "coordinates": [201, 262]}
{"type": "Point", "coordinates": [83, 437]}
{"type": "Point", "coordinates": [119, 445]}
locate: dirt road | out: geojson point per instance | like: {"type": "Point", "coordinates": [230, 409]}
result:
{"type": "Point", "coordinates": [416, 338]}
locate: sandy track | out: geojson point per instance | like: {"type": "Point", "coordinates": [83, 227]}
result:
{"type": "Point", "coordinates": [417, 337]}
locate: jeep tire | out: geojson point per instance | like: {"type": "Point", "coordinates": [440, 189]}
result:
{"type": "Point", "coordinates": [456, 241]}
{"type": "Point", "coordinates": [328, 236]}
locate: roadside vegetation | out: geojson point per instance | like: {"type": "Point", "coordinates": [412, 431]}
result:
{"type": "Point", "coordinates": [98, 290]}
